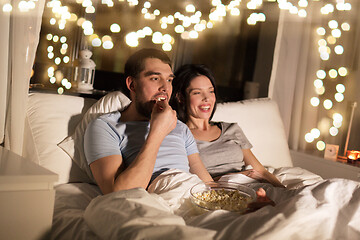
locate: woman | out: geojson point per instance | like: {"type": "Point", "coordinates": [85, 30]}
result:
{"type": "Point", "coordinates": [223, 147]}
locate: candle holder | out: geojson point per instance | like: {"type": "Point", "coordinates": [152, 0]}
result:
{"type": "Point", "coordinates": [346, 152]}
{"type": "Point", "coordinates": [85, 71]}
{"type": "Point", "coordinates": [352, 156]}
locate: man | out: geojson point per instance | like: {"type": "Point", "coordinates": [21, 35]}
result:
{"type": "Point", "coordinates": [128, 149]}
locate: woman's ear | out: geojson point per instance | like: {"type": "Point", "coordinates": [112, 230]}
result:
{"type": "Point", "coordinates": [130, 83]}
{"type": "Point", "coordinates": [179, 98]}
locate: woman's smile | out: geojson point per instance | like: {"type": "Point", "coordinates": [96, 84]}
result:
{"type": "Point", "coordinates": [205, 108]}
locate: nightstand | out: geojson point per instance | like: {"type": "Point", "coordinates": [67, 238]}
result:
{"type": "Point", "coordinates": [325, 168]}
{"type": "Point", "coordinates": [26, 198]}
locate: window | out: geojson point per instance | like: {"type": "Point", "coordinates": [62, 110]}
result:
{"type": "Point", "coordinates": [228, 36]}
{"type": "Point", "coordinates": [224, 36]}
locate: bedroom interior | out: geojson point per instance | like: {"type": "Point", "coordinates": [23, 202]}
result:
{"type": "Point", "coordinates": [287, 72]}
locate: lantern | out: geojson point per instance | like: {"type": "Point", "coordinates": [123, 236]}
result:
{"type": "Point", "coordinates": [85, 71]}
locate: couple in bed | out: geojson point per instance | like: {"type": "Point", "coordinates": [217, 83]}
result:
{"type": "Point", "coordinates": [129, 149]}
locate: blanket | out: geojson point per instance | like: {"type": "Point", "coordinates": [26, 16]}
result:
{"type": "Point", "coordinates": [309, 208]}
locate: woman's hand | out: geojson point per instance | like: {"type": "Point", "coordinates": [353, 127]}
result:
{"type": "Point", "coordinates": [253, 174]}
{"type": "Point", "coordinates": [264, 176]}
{"type": "Point", "coordinates": [262, 173]}
{"type": "Point", "coordinates": [261, 201]}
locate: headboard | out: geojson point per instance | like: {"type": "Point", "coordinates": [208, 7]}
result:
{"type": "Point", "coordinates": [261, 122]}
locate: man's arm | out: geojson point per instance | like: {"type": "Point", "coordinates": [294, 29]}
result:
{"type": "Point", "coordinates": [109, 177]}
{"type": "Point", "coordinates": [107, 171]}
{"type": "Point", "coordinates": [197, 167]}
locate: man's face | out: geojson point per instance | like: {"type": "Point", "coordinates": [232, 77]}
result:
{"type": "Point", "coordinates": [153, 84]}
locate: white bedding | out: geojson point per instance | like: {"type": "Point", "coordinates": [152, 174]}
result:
{"type": "Point", "coordinates": [310, 208]}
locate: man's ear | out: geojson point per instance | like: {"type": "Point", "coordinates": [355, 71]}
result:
{"type": "Point", "coordinates": [130, 84]}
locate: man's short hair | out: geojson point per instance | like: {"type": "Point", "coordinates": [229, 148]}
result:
{"type": "Point", "coordinates": [136, 63]}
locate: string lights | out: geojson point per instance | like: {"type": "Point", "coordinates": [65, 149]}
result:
{"type": "Point", "coordinates": [190, 22]}
{"type": "Point", "coordinates": [332, 77]}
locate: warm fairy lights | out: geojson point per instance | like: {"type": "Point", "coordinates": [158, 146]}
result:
{"type": "Point", "coordinates": [329, 47]}
{"type": "Point", "coordinates": [189, 23]}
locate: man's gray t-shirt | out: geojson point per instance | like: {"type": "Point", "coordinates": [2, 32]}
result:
{"type": "Point", "coordinates": [224, 155]}
{"type": "Point", "coordinates": [107, 135]}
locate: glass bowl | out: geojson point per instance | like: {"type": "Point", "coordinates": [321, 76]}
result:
{"type": "Point", "coordinates": [217, 195]}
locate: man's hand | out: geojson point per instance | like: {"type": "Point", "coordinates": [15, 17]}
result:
{"type": "Point", "coordinates": [163, 119]}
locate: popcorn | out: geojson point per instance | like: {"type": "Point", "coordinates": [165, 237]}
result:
{"type": "Point", "coordinates": [222, 199]}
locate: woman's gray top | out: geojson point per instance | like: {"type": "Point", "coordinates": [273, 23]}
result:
{"type": "Point", "coordinates": [224, 154]}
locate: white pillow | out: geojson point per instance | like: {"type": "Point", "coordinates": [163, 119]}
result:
{"type": "Point", "coordinates": [261, 123]}
{"type": "Point", "coordinates": [73, 145]}
{"type": "Point", "coordinates": [51, 118]}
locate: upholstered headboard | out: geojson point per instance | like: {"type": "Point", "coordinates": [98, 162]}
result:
{"type": "Point", "coordinates": [261, 122]}
{"type": "Point", "coordinates": [52, 120]}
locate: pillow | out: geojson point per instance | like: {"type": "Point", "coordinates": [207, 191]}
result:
{"type": "Point", "coordinates": [73, 145]}
{"type": "Point", "coordinates": [261, 123]}
{"type": "Point", "coordinates": [49, 119]}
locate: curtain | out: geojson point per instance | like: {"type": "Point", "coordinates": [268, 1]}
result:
{"type": "Point", "coordinates": [4, 54]}
{"type": "Point", "coordinates": [19, 38]}
{"type": "Point", "coordinates": [292, 63]}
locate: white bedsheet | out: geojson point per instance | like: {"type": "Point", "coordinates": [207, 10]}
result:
{"type": "Point", "coordinates": [310, 208]}
{"type": "Point", "coordinates": [71, 201]}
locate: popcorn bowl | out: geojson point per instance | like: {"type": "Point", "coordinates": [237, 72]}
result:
{"type": "Point", "coordinates": [223, 195]}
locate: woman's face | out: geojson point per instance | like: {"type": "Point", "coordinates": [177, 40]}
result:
{"type": "Point", "coordinates": [201, 98]}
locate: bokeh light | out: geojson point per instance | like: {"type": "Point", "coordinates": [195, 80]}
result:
{"type": "Point", "coordinates": [328, 104]}
{"type": "Point", "coordinates": [314, 101]}
{"type": "Point", "coordinates": [320, 145]}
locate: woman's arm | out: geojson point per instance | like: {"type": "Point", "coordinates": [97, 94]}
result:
{"type": "Point", "coordinates": [197, 167]}
{"type": "Point", "coordinates": [250, 159]}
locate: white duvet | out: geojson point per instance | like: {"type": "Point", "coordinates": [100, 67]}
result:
{"type": "Point", "coordinates": [310, 208]}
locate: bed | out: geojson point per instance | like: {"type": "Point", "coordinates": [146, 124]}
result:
{"type": "Point", "coordinates": [310, 207]}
